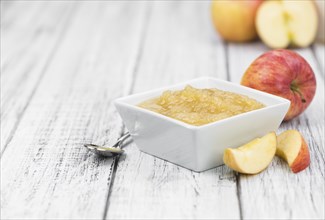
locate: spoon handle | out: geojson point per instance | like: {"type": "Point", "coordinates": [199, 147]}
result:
{"type": "Point", "coordinates": [121, 139]}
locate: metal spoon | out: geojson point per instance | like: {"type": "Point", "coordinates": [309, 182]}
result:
{"type": "Point", "coordinates": [108, 151]}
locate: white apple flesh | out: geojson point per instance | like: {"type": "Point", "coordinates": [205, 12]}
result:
{"type": "Point", "coordinates": [252, 157]}
{"type": "Point", "coordinates": [284, 23]}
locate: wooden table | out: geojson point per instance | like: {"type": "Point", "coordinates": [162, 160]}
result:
{"type": "Point", "coordinates": [62, 65]}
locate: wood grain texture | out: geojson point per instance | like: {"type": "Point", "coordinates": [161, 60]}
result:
{"type": "Point", "coordinates": [46, 172]}
{"type": "Point", "coordinates": [178, 46]}
{"type": "Point", "coordinates": [62, 64]}
{"type": "Point", "coordinates": [28, 42]}
{"type": "Point", "coordinates": [277, 192]}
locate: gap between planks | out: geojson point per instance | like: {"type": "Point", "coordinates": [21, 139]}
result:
{"type": "Point", "coordinates": [147, 187]}
{"type": "Point", "coordinates": [226, 48]}
{"type": "Point", "coordinates": [269, 195]}
{"type": "Point", "coordinates": [40, 77]}
{"type": "Point", "coordinates": [134, 72]}
{"type": "Point", "coordinates": [85, 116]}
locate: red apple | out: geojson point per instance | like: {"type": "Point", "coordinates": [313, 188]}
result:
{"type": "Point", "coordinates": [283, 73]}
{"type": "Point", "coordinates": [235, 20]}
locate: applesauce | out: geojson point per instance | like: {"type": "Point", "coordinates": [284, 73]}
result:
{"type": "Point", "coordinates": [200, 106]}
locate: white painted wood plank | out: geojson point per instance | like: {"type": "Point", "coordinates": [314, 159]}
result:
{"type": "Point", "coordinates": [277, 192]}
{"type": "Point", "coordinates": [30, 32]}
{"type": "Point", "coordinates": [46, 172]}
{"type": "Point", "coordinates": [179, 45]}
{"type": "Point", "coordinates": [319, 50]}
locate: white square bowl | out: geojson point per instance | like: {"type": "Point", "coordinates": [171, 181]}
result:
{"type": "Point", "coordinates": [199, 148]}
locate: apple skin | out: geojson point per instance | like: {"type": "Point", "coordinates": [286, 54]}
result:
{"type": "Point", "coordinates": [283, 73]}
{"type": "Point", "coordinates": [302, 161]}
{"type": "Point", "coordinates": [235, 20]}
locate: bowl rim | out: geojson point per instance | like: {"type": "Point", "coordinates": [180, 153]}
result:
{"type": "Point", "coordinates": [122, 102]}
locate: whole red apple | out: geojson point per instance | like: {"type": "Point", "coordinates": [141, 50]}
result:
{"type": "Point", "coordinates": [235, 19]}
{"type": "Point", "coordinates": [283, 73]}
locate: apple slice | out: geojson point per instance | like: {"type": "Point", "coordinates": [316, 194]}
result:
{"type": "Point", "coordinates": [283, 23]}
{"type": "Point", "coordinates": [252, 157]}
{"type": "Point", "coordinates": [292, 147]}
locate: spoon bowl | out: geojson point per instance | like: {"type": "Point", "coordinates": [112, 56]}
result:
{"type": "Point", "coordinates": [104, 151]}
{"type": "Point", "coordinates": [108, 151]}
